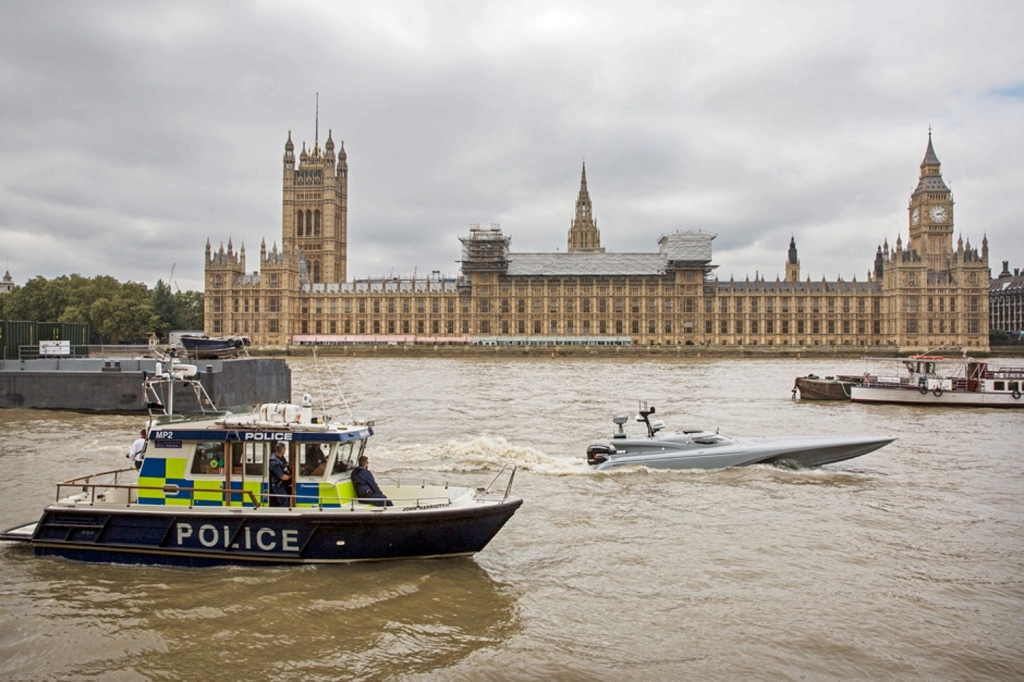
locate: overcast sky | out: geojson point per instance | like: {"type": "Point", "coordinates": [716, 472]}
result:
{"type": "Point", "coordinates": [132, 132]}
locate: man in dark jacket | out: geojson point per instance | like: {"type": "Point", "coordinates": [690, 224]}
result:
{"type": "Point", "coordinates": [280, 477]}
{"type": "Point", "coordinates": [366, 486]}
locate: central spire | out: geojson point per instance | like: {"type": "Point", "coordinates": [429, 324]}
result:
{"type": "Point", "coordinates": [583, 234]}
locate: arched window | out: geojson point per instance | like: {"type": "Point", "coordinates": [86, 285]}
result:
{"type": "Point", "coordinates": [316, 224]}
{"type": "Point", "coordinates": [299, 224]}
{"type": "Point", "coordinates": [316, 271]}
{"type": "Point", "coordinates": [309, 222]}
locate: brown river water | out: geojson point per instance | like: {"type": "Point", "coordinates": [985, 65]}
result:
{"type": "Point", "coordinates": [907, 563]}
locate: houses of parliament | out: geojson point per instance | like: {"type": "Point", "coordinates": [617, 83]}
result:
{"type": "Point", "coordinates": [925, 293]}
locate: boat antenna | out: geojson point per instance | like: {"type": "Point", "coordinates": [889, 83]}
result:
{"type": "Point", "coordinates": [319, 386]}
{"type": "Point", "coordinates": [337, 387]}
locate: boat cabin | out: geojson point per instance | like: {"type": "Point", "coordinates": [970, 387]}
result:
{"type": "Point", "coordinates": [225, 461]}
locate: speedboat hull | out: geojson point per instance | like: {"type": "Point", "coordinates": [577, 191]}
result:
{"type": "Point", "coordinates": [711, 450]}
{"type": "Point", "coordinates": [795, 452]}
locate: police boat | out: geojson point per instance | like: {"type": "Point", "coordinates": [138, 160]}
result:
{"type": "Point", "coordinates": [202, 496]}
{"type": "Point", "coordinates": [699, 449]}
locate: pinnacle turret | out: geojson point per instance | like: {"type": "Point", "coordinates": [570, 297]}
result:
{"type": "Point", "coordinates": [583, 234]}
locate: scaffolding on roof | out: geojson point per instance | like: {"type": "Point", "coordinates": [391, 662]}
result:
{"type": "Point", "coordinates": [485, 249]}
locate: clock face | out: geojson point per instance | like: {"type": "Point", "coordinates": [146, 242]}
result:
{"type": "Point", "coordinates": [915, 216]}
{"type": "Point", "coordinates": [937, 214]}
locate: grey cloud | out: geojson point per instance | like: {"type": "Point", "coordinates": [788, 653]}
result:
{"type": "Point", "coordinates": [134, 132]}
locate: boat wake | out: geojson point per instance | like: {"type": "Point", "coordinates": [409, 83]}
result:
{"type": "Point", "coordinates": [478, 454]}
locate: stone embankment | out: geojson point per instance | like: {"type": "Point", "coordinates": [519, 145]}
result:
{"type": "Point", "coordinates": [618, 352]}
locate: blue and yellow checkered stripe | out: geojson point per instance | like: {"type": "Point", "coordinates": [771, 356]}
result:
{"type": "Point", "coordinates": [157, 473]}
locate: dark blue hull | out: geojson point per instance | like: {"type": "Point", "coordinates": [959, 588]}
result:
{"type": "Point", "coordinates": [205, 348]}
{"type": "Point", "coordinates": [288, 537]}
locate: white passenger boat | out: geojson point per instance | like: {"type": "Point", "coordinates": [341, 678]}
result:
{"type": "Point", "coordinates": [937, 380]}
{"type": "Point", "coordinates": [700, 449]}
{"type": "Point", "coordinates": [202, 498]}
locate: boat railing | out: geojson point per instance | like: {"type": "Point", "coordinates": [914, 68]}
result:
{"type": "Point", "coordinates": [399, 503]}
{"type": "Point", "coordinates": [493, 490]}
{"type": "Point", "coordinates": [87, 490]}
{"type": "Point", "coordinates": [93, 488]}
{"type": "Point", "coordinates": [93, 491]}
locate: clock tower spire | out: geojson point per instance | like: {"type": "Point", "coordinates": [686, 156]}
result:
{"type": "Point", "coordinates": [931, 214]}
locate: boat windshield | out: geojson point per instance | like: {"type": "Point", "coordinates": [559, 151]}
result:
{"type": "Point", "coordinates": [712, 439]}
{"type": "Point", "coordinates": [348, 456]}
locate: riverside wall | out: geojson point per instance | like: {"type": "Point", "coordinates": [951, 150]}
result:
{"type": "Point", "coordinates": [618, 352]}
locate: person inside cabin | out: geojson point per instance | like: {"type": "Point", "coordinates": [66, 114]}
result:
{"type": "Point", "coordinates": [366, 486]}
{"type": "Point", "coordinates": [237, 459]}
{"type": "Point", "coordinates": [315, 460]}
{"type": "Point", "coordinates": [137, 452]}
{"type": "Point", "coordinates": [280, 477]}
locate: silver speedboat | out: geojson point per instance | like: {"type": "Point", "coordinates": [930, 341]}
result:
{"type": "Point", "coordinates": [711, 450]}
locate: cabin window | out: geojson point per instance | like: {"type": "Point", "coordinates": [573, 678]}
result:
{"type": "Point", "coordinates": [1013, 386]}
{"type": "Point", "coordinates": [999, 386]}
{"type": "Point", "coordinates": [247, 459]}
{"type": "Point", "coordinates": [208, 458]}
{"type": "Point", "coordinates": [344, 459]}
{"type": "Point", "coordinates": [313, 459]}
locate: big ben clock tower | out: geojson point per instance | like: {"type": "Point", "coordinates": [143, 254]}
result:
{"type": "Point", "coordinates": [931, 215]}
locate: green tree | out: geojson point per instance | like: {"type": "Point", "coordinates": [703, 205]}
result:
{"type": "Point", "coordinates": [165, 306]}
{"type": "Point", "coordinates": [113, 311]}
{"type": "Point", "coordinates": [180, 310]}
{"type": "Point", "coordinates": [191, 312]}
{"type": "Point", "coordinates": [39, 300]}
{"type": "Point", "coordinates": [127, 316]}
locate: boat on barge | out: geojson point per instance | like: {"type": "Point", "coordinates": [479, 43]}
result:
{"type": "Point", "coordinates": [937, 380]}
{"type": "Point", "coordinates": [700, 449]}
{"type": "Point", "coordinates": [202, 498]}
{"type": "Point", "coordinates": [203, 347]}
{"type": "Point", "coordinates": [813, 387]}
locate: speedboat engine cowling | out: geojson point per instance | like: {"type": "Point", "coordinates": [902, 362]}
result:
{"type": "Point", "coordinates": [598, 453]}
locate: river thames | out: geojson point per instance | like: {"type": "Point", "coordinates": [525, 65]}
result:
{"type": "Point", "coordinates": [907, 563]}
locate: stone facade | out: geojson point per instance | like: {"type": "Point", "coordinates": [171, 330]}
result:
{"type": "Point", "coordinates": [917, 296]}
{"type": "Point", "coordinates": [1006, 300]}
